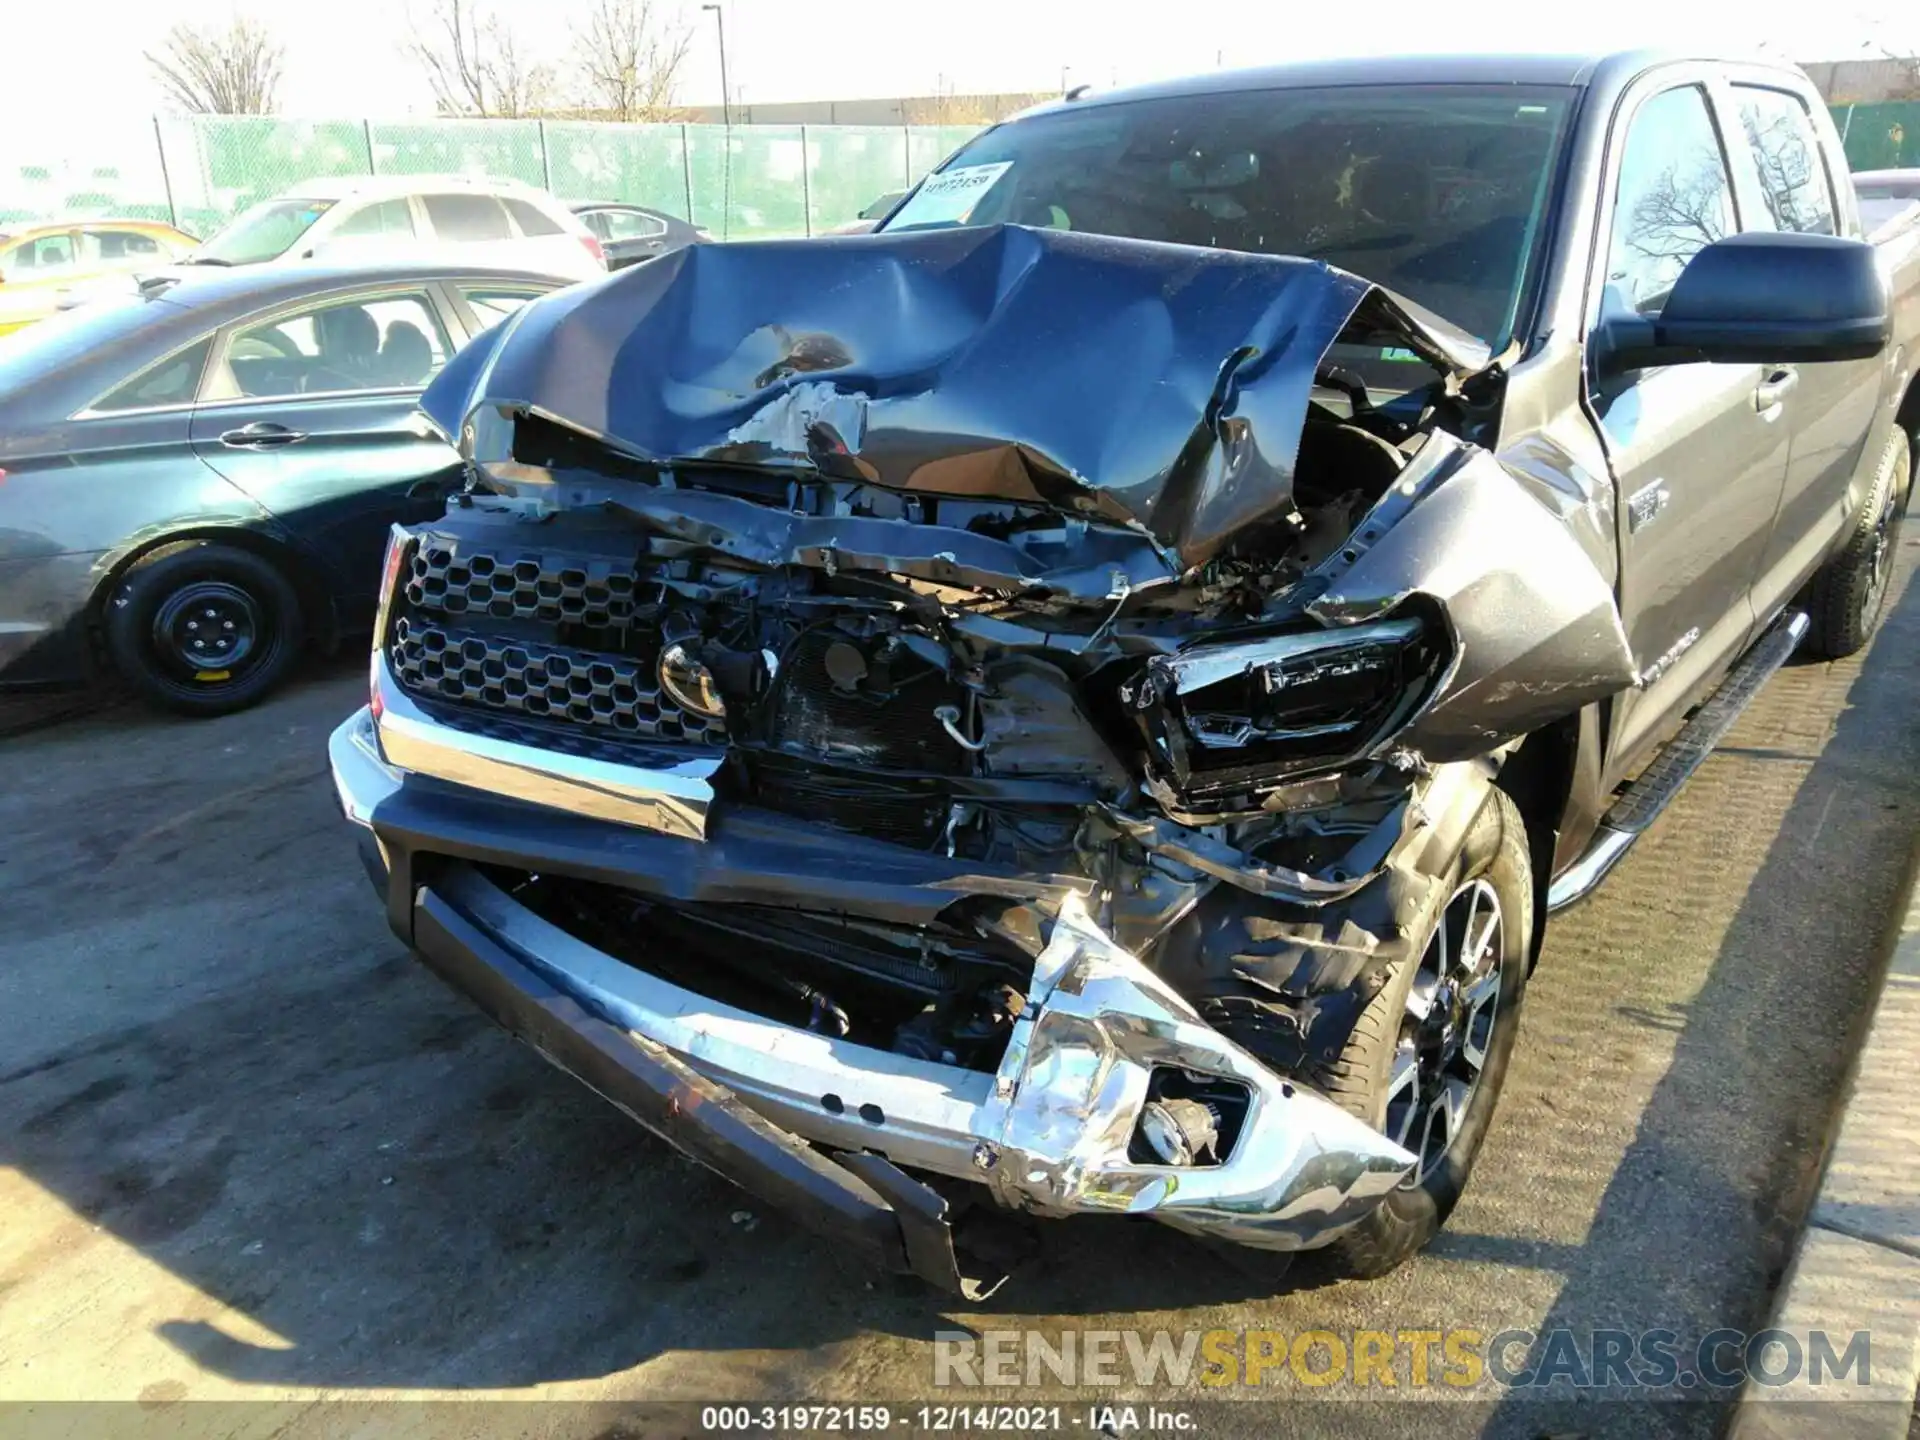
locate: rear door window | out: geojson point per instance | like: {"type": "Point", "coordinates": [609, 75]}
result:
{"type": "Point", "coordinates": [108, 246]}
{"type": "Point", "coordinates": [467, 217]}
{"type": "Point", "coordinates": [172, 381]}
{"type": "Point", "coordinates": [630, 225]}
{"type": "Point", "coordinates": [1793, 178]}
{"type": "Point", "coordinates": [41, 258]}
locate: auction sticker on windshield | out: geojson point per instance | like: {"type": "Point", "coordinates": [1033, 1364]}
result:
{"type": "Point", "coordinates": [949, 197]}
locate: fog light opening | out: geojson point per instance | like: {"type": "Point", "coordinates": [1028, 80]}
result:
{"type": "Point", "coordinates": [1189, 1120]}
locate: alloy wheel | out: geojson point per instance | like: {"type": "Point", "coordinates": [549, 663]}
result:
{"type": "Point", "coordinates": [1447, 1028]}
{"type": "Point", "coordinates": [1880, 562]}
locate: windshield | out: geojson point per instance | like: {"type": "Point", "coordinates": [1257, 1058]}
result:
{"type": "Point", "coordinates": [1434, 191]}
{"type": "Point", "coordinates": [265, 232]}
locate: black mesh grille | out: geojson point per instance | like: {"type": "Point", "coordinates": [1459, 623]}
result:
{"type": "Point", "coordinates": [523, 586]}
{"type": "Point", "coordinates": [544, 681]}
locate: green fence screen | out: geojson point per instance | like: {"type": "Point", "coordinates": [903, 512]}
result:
{"type": "Point", "coordinates": [752, 180]}
{"type": "Point", "coordinates": [1880, 137]}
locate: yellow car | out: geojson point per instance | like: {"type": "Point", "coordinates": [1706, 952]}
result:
{"type": "Point", "coordinates": [44, 266]}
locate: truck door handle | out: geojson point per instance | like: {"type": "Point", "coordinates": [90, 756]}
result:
{"type": "Point", "coordinates": [1772, 390]}
{"type": "Point", "coordinates": [261, 435]}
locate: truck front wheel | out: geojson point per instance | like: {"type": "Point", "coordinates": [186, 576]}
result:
{"type": "Point", "coordinates": [1428, 1055]}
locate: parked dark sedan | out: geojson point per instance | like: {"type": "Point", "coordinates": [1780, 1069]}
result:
{"type": "Point", "coordinates": [197, 479]}
{"type": "Point", "coordinates": [632, 233]}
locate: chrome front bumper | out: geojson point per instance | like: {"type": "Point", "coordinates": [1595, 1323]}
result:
{"type": "Point", "coordinates": [1049, 1132]}
{"type": "Point", "coordinates": [672, 797]}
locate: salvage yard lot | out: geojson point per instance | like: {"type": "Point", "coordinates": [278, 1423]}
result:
{"type": "Point", "coordinates": [249, 1149]}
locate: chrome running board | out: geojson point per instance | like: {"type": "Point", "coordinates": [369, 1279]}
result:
{"type": "Point", "coordinates": [1640, 804]}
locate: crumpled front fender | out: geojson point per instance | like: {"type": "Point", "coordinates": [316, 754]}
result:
{"type": "Point", "coordinates": [1535, 626]}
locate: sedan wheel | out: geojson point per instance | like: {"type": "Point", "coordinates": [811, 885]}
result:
{"type": "Point", "coordinates": [204, 629]}
{"type": "Point", "coordinates": [209, 629]}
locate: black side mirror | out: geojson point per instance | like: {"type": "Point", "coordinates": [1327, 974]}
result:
{"type": "Point", "coordinates": [1758, 299]}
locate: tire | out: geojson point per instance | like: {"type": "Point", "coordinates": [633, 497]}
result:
{"type": "Point", "coordinates": [1493, 863]}
{"type": "Point", "coordinates": [251, 614]}
{"type": "Point", "coordinates": [1849, 594]}
{"type": "Point", "coordinates": [1913, 465]}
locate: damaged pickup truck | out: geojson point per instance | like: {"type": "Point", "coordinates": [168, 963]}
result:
{"type": "Point", "coordinates": [1078, 701]}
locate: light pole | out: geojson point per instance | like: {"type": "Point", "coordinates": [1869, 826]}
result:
{"type": "Point", "coordinates": [726, 107]}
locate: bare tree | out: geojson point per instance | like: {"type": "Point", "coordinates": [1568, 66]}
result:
{"type": "Point", "coordinates": [1680, 214]}
{"type": "Point", "coordinates": [628, 58]}
{"type": "Point", "coordinates": [522, 85]}
{"type": "Point", "coordinates": [475, 62]}
{"type": "Point", "coordinates": [943, 107]}
{"type": "Point", "coordinates": [1675, 215]}
{"type": "Point", "coordinates": [206, 70]}
{"type": "Point", "coordinates": [1908, 63]}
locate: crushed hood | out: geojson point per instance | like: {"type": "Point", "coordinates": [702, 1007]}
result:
{"type": "Point", "coordinates": [1161, 385]}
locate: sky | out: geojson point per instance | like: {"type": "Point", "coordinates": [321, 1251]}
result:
{"type": "Point", "coordinates": [83, 63]}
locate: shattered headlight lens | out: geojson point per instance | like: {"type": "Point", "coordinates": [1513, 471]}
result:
{"type": "Point", "coordinates": [1281, 704]}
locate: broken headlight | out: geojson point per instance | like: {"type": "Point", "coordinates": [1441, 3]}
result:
{"type": "Point", "coordinates": [1220, 715]}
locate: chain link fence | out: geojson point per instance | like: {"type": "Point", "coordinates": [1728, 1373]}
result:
{"type": "Point", "coordinates": [740, 183]}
